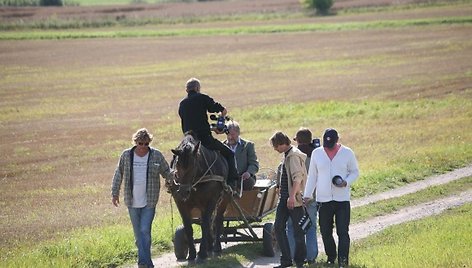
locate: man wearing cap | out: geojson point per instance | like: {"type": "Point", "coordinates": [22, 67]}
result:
{"type": "Point", "coordinates": [333, 169]}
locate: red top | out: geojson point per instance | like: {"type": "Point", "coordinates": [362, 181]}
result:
{"type": "Point", "coordinates": [332, 152]}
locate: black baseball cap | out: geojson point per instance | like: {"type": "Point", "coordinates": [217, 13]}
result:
{"type": "Point", "coordinates": [330, 137]}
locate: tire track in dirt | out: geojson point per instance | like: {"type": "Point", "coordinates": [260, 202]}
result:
{"type": "Point", "coordinates": [363, 229]}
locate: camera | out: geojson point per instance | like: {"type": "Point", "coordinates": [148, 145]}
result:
{"type": "Point", "coordinates": [316, 143]}
{"type": "Point", "coordinates": [220, 124]}
{"type": "Point", "coordinates": [337, 180]}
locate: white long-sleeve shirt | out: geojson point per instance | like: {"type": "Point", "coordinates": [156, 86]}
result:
{"type": "Point", "coordinates": [322, 170]}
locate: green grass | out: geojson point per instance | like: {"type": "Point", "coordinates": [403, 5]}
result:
{"type": "Point", "coordinates": [108, 246]}
{"type": "Point", "coordinates": [438, 241]}
{"type": "Point", "coordinates": [238, 30]}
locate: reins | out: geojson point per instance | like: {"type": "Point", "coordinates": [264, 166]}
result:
{"type": "Point", "coordinates": [208, 169]}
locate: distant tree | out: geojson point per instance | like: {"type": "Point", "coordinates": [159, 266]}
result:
{"type": "Point", "coordinates": [51, 2]}
{"type": "Point", "coordinates": [321, 6]}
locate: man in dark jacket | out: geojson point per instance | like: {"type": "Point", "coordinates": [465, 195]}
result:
{"type": "Point", "coordinates": [193, 111]}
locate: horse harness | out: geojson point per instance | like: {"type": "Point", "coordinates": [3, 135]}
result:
{"type": "Point", "coordinates": [205, 177]}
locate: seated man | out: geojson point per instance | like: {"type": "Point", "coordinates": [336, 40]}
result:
{"type": "Point", "coordinates": [193, 111]}
{"type": "Point", "coordinates": [247, 164]}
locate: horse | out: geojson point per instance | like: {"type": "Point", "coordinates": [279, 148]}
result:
{"type": "Point", "coordinates": [200, 182]}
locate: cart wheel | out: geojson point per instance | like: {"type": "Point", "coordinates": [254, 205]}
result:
{"type": "Point", "coordinates": [268, 240]}
{"type": "Point", "coordinates": [180, 243]}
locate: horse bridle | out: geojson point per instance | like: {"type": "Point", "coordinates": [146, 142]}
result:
{"type": "Point", "coordinates": [205, 177]}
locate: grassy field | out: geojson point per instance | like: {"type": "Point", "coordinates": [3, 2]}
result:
{"type": "Point", "coordinates": [397, 89]}
{"type": "Point", "coordinates": [440, 241]}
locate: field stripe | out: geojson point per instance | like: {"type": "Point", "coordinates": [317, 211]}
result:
{"type": "Point", "coordinates": [262, 29]}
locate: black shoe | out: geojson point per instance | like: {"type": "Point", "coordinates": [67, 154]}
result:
{"type": "Point", "coordinates": [343, 263]}
{"type": "Point", "coordinates": [299, 265]}
{"type": "Point", "coordinates": [310, 261]}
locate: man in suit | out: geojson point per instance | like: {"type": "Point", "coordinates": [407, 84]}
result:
{"type": "Point", "coordinates": [247, 164]}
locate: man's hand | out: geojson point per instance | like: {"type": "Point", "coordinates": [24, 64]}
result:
{"type": "Point", "coordinates": [115, 200]}
{"type": "Point", "coordinates": [224, 112]}
{"type": "Point", "coordinates": [306, 200]}
{"type": "Point", "coordinates": [291, 202]}
{"type": "Point", "coordinates": [246, 175]}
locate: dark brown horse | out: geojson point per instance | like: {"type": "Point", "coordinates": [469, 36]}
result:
{"type": "Point", "coordinates": [200, 183]}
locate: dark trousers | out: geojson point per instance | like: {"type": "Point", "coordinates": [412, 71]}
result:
{"type": "Point", "coordinates": [341, 213]}
{"type": "Point", "coordinates": [281, 217]}
{"type": "Point", "coordinates": [213, 144]}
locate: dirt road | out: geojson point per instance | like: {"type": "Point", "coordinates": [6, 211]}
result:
{"type": "Point", "coordinates": [371, 226]}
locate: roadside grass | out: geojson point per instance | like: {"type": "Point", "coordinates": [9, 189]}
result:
{"type": "Point", "coordinates": [237, 30]}
{"type": "Point", "coordinates": [108, 246]}
{"type": "Point", "coordinates": [438, 241]}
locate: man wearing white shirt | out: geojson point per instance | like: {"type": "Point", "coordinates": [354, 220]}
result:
{"type": "Point", "coordinates": [333, 169]}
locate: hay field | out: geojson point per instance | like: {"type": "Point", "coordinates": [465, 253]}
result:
{"type": "Point", "coordinates": [69, 107]}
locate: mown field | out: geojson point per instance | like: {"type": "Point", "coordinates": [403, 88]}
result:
{"type": "Point", "coordinates": [396, 82]}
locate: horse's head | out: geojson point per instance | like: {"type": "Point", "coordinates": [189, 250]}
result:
{"type": "Point", "coordinates": [185, 164]}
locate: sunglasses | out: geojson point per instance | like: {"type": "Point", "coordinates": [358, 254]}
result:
{"type": "Point", "coordinates": [142, 143]}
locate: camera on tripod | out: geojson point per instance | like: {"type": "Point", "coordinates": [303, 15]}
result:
{"type": "Point", "coordinates": [220, 124]}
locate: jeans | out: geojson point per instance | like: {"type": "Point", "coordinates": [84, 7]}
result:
{"type": "Point", "coordinates": [341, 213]}
{"type": "Point", "coordinates": [280, 225]}
{"type": "Point", "coordinates": [310, 236]}
{"type": "Point", "coordinates": [142, 218]}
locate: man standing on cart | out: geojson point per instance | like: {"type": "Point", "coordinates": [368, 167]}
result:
{"type": "Point", "coordinates": [291, 177]}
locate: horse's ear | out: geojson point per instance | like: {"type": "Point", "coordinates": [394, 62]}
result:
{"type": "Point", "coordinates": [176, 152]}
{"type": "Point", "coordinates": [197, 146]}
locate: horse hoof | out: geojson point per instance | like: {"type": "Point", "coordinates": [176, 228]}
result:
{"type": "Point", "coordinates": [191, 262]}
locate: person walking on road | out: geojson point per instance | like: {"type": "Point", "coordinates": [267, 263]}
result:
{"type": "Point", "coordinates": [291, 177]}
{"type": "Point", "coordinates": [303, 137]}
{"type": "Point", "coordinates": [139, 167]}
{"type": "Point", "coordinates": [333, 169]}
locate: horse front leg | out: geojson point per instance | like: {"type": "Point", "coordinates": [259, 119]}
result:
{"type": "Point", "coordinates": [206, 234]}
{"type": "Point", "coordinates": [187, 222]}
{"type": "Point", "coordinates": [192, 251]}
